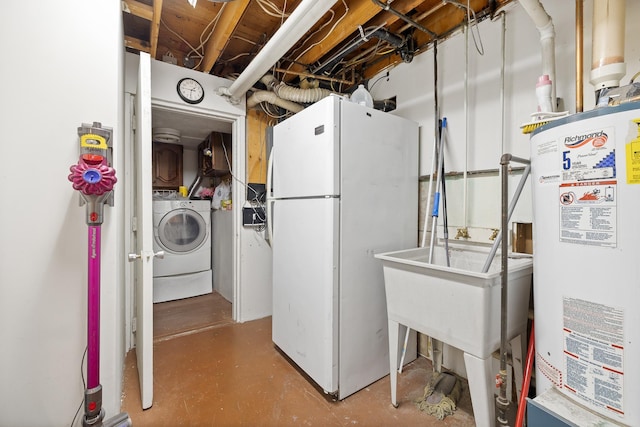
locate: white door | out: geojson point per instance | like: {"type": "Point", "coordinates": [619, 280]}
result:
{"type": "Point", "coordinates": [144, 232]}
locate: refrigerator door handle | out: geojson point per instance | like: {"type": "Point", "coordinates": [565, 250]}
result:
{"type": "Point", "coordinates": [270, 196]}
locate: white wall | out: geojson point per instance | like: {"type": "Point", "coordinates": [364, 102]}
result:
{"type": "Point", "coordinates": [61, 67]}
{"type": "Point", "coordinates": [479, 145]}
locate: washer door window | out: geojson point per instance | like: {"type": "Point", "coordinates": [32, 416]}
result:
{"type": "Point", "coordinates": [182, 231]}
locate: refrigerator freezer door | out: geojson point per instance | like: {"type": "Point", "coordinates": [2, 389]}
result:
{"type": "Point", "coordinates": [305, 285]}
{"type": "Point", "coordinates": [378, 213]}
{"type": "Point", "coordinates": [305, 152]}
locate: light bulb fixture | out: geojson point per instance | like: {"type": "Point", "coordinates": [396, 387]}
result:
{"type": "Point", "coordinates": [192, 2]}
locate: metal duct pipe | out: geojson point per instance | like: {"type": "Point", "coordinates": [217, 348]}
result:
{"type": "Point", "coordinates": [378, 33]}
{"type": "Point", "coordinates": [544, 25]}
{"type": "Point", "coordinates": [385, 6]}
{"type": "Point", "coordinates": [300, 21]}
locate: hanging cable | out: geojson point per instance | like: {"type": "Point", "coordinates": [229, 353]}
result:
{"type": "Point", "coordinates": [346, 11]}
{"type": "Point", "coordinates": [470, 12]}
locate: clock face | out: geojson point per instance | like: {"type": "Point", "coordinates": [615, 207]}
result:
{"type": "Point", "coordinates": [190, 90]}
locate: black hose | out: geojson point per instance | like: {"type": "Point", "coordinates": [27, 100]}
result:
{"type": "Point", "coordinates": [380, 33]}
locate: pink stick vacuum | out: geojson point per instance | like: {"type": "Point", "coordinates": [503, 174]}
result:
{"type": "Point", "coordinates": [94, 178]}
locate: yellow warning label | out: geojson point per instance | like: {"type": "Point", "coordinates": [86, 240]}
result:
{"type": "Point", "coordinates": [633, 158]}
{"type": "Point", "coordinates": [633, 162]}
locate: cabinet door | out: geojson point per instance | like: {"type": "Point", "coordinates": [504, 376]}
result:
{"type": "Point", "coordinates": [167, 166]}
{"type": "Point", "coordinates": [217, 161]}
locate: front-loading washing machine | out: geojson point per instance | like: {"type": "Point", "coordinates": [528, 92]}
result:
{"type": "Point", "coordinates": [182, 229]}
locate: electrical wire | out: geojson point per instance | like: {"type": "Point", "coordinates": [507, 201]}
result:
{"type": "Point", "coordinates": [266, 107]}
{"type": "Point", "coordinates": [346, 11]}
{"type": "Point", "coordinates": [244, 39]}
{"type": "Point", "coordinates": [214, 21]}
{"type": "Point", "coordinates": [255, 198]}
{"type": "Point", "coordinates": [385, 76]}
{"type": "Point", "coordinates": [84, 386]}
{"type": "Point", "coordinates": [196, 50]}
{"type": "Point", "coordinates": [333, 14]}
{"type": "Point", "coordinates": [271, 9]}
{"type": "Point", "coordinates": [470, 12]}
{"type": "Point", "coordinates": [235, 57]}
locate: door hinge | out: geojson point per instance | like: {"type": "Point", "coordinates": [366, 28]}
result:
{"type": "Point", "coordinates": [134, 224]}
{"type": "Point", "coordinates": [134, 324]}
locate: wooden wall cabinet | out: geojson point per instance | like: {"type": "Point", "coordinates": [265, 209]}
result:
{"type": "Point", "coordinates": [167, 166]}
{"type": "Point", "coordinates": [211, 154]}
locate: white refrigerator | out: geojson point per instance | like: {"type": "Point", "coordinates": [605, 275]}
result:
{"type": "Point", "coordinates": [344, 187]}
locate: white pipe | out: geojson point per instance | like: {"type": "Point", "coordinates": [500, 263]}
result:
{"type": "Point", "coordinates": [436, 138]}
{"type": "Point", "coordinates": [295, 94]}
{"type": "Point", "coordinates": [270, 97]}
{"type": "Point", "coordinates": [298, 23]}
{"type": "Point", "coordinates": [502, 66]}
{"type": "Point", "coordinates": [465, 181]}
{"type": "Point", "coordinates": [544, 24]}
{"type": "Point", "coordinates": [607, 66]}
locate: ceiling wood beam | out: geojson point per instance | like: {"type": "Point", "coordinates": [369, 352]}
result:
{"type": "Point", "coordinates": [359, 11]}
{"type": "Point", "coordinates": [138, 9]}
{"type": "Point", "coordinates": [155, 27]}
{"type": "Point", "coordinates": [227, 23]}
{"type": "Point", "coordinates": [137, 44]}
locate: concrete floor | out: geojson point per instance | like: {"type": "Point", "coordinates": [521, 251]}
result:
{"type": "Point", "coordinates": [210, 371]}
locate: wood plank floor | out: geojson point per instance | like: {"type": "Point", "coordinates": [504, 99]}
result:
{"type": "Point", "coordinates": [210, 371]}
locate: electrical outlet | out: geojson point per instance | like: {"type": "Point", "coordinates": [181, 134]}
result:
{"type": "Point", "coordinates": [253, 216]}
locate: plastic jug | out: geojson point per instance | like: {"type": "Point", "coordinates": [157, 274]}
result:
{"type": "Point", "coordinates": [362, 96]}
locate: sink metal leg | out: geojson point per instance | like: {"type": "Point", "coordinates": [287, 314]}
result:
{"type": "Point", "coordinates": [436, 350]}
{"type": "Point", "coordinates": [394, 346]}
{"type": "Point", "coordinates": [481, 387]}
{"type": "Point", "coordinates": [517, 352]}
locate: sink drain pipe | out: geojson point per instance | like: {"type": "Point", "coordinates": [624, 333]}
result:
{"type": "Point", "coordinates": [501, 379]}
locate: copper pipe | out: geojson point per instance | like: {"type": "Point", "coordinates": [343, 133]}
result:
{"type": "Point", "coordinates": [422, 16]}
{"type": "Point", "coordinates": [579, 53]}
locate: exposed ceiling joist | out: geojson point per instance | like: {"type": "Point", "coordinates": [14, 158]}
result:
{"type": "Point", "coordinates": [138, 9]}
{"type": "Point", "coordinates": [224, 38]}
{"type": "Point", "coordinates": [155, 26]}
{"type": "Point", "coordinates": [226, 25]}
{"type": "Point", "coordinates": [359, 11]}
{"type": "Point", "coordinates": [137, 44]}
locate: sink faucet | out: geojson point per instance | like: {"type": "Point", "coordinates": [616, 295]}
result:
{"type": "Point", "coordinates": [494, 234]}
{"type": "Point", "coordinates": [463, 233]}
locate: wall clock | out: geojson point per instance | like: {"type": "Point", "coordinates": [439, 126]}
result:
{"type": "Point", "coordinates": [190, 90]}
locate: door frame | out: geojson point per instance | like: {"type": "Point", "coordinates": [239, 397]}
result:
{"type": "Point", "coordinates": [238, 123]}
{"type": "Point", "coordinates": [238, 148]}
{"type": "Point", "coordinates": [239, 169]}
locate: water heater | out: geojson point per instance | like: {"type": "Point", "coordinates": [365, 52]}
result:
{"type": "Point", "coordinates": [586, 235]}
